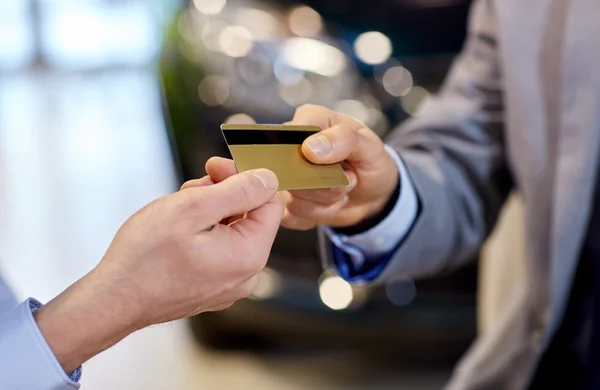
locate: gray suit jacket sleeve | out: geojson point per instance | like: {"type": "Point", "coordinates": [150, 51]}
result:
{"type": "Point", "coordinates": [454, 152]}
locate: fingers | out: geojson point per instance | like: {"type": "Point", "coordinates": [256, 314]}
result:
{"type": "Point", "coordinates": [258, 231]}
{"type": "Point", "coordinates": [203, 182]}
{"type": "Point", "coordinates": [238, 194]}
{"type": "Point", "coordinates": [342, 138]}
{"type": "Point", "coordinates": [323, 197]}
{"type": "Point", "coordinates": [313, 115]}
{"type": "Point", "coordinates": [309, 210]}
{"type": "Point", "coordinates": [342, 143]}
{"type": "Point", "coordinates": [294, 222]}
{"type": "Point", "coordinates": [219, 168]}
{"type": "Point", "coordinates": [230, 220]}
{"type": "Point", "coordinates": [262, 223]}
{"type": "Point", "coordinates": [329, 195]}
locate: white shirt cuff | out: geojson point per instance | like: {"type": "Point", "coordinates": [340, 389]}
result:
{"type": "Point", "coordinates": [383, 238]}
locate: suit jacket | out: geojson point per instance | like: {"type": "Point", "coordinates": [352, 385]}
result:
{"type": "Point", "coordinates": [519, 110]}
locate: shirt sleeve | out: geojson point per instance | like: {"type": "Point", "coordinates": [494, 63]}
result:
{"type": "Point", "coordinates": [356, 254]}
{"type": "Point", "coordinates": [26, 360]}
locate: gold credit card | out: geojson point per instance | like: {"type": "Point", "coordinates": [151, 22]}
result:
{"type": "Point", "coordinates": [278, 148]}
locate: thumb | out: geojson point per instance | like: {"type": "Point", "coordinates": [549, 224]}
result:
{"type": "Point", "coordinates": [238, 194]}
{"type": "Point", "coordinates": [343, 137]}
{"type": "Point", "coordinates": [342, 143]}
{"type": "Point", "coordinates": [261, 224]}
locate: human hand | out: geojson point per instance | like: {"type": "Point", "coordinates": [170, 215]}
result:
{"type": "Point", "coordinates": [178, 256]}
{"type": "Point", "coordinates": [372, 172]}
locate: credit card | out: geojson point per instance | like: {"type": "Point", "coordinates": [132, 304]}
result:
{"type": "Point", "coordinates": [278, 148]}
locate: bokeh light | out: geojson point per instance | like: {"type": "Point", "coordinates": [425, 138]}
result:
{"type": "Point", "coordinates": [314, 56]}
{"type": "Point", "coordinates": [268, 283]}
{"type": "Point", "coordinates": [305, 21]}
{"type": "Point", "coordinates": [286, 74]}
{"type": "Point", "coordinates": [262, 25]}
{"type": "Point", "coordinates": [236, 97]}
{"type": "Point", "coordinates": [354, 108]}
{"type": "Point", "coordinates": [210, 7]}
{"type": "Point", "coordinates": [336, 293]}
{"type": "Point", "coordinates": [296, 94]}
{"type": "Point", "coordinates": [240, 119]}
{"type": "Point", "coordinates": [213, 90]}
{"type": "Point", "coordinates": [235, 41]}
{"type": "Point", "coordinates": [211, 34]}
{"type": "Point", "coordinates": [189, 26]}
{"type": "Point", "coordinates": [415, 100]}
{"type": "Point", "coordinates": [401, 292]}
{"type": "Point", "coordinates": [373, 47]}
{"type": "Point", "coordinates": [397, 81]}
{"type": "Point", "coordinates": [254, 70]}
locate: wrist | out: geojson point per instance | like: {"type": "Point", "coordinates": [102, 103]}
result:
{"type": "Point", "coordinates": [385, 204]}
{"type": "Point", "coordinates": [377, 214]}
{"type": "Point", "coordinates": [387, 187]}
{"type": "Point", "coordinates": [90, 316]}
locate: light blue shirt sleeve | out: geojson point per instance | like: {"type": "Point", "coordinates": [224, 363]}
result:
{"type": "Point", "coordinates": [377, 243]}
{"type": "Point", "coordinates": [26, 360]}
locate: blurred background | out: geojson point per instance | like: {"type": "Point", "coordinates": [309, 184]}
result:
{"type": "Point", "coordinates": [108, 104]}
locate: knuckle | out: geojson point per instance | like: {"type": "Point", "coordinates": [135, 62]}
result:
{"type": "Point", "coordinates": [300, 224]}
{"type": "Point", "coordinates": [295, 208]}
{"type": "Point", "coordinates": [286, 220]}
{"type": "Point", "coordinates": [336, 198]}
{"type": "Point", "coordinates": [278, 202]}
{"type": "Point", "coordinates": [323, 197]}
{"type": "Point", "coordinates": [368, 133]}
{"type": "Point", "coordinates": [300, 211]}
{"type": "Point", "coordinates": [245, 290]}
{"type": "Point", "coordinates": [335, 194]}
{"type": "Point", "coordinates": [305, 228]}
{"type": "Point", "coordinates": [226, 305]}
{"type": "Point", "coordinates": [311, 209]}
{"type": "Point", "coordinates": [309, 110]}
{"type": "Point", "coordinates": [247, 190]}
{"type": "Point", "coordinates": [307, 107]}
{"type": "Point", "coordinates": [221, 306]}
{"type": "Point", "coordinates": [344, 139]}
{"type": "Point", "coordinates": [349, 134]}
{"type": "Point", "coordinates": [252, 261]}
{"type": "Point", "coordinates": [198, 198]}
{"type": "Point", "coordinates": [256, 265]}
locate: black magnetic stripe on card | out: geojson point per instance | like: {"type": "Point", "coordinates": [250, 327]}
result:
{"type": "Point", "coordinates": [266, 137]}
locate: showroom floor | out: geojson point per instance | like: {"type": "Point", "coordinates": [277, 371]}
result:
{"type": "Point", "coordinates": [78, 155]}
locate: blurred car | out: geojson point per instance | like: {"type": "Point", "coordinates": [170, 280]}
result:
{"type": "Point", "coordinates": [247, 62]}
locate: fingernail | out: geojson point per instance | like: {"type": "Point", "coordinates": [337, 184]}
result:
{"type": "Point", "coordinates": [320, 145]}
{"type": "Point", "coordinates": [267, 178]}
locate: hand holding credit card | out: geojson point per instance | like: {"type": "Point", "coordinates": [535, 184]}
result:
{"type": "Point", "coordinates": [332, 169]}
{"type": "Point", "coordinates": [278, 148]}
